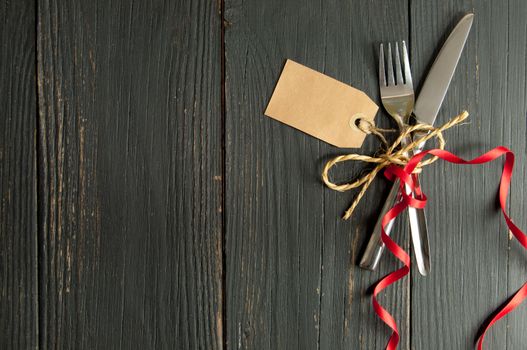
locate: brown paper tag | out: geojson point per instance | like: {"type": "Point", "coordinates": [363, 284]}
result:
{"type": "Point", "coordinates": [320, 106]}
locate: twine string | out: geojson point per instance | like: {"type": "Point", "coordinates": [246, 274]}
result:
{"type": "Point", "coordinates": [393, 155]}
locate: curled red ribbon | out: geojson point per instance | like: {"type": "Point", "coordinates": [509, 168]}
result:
{"type": "Point", "coordinates": [405, 175]}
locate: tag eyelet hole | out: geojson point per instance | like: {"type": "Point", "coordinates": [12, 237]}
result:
{"type": "Point", "coordinates": [355, 121]}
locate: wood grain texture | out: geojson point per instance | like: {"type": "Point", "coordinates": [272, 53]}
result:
{"type": "Point", "coordinates": [292, 280]}
{"type": "Point", "coordinates": [130, 174]}
{"type": "Point", "coordinates": [516, 115]}
{"type": "Point", "coordinates": [472, 271]}
{"type": "Point", "coordinates": [18, 210]}
{"type": "Point", "coordinates": [147, 202]}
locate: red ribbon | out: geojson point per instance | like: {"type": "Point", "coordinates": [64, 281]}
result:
{"type": "Point", "coordinates": [405, 175]}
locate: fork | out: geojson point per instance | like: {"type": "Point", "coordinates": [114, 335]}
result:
{"type": "Point", "coordinates": [397, 95]}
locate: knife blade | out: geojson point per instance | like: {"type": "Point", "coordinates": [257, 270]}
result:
{"type": "Point", "coordinates": [425, 111]}
{"type": "Point", "coordinates": [436, 84]}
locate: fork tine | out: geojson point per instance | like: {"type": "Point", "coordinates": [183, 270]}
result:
{"type": "Point", "coordinates": [406, 62]}
{"type": "Point", "coordinates": [398, 70]}
{"type": "Point", "coordinates": [382, 73]}
{"type": "Point", "coordinates": [391, 80]}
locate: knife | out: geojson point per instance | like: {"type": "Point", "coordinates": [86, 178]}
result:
{"type": "Point", "coordinates": [425, 111]}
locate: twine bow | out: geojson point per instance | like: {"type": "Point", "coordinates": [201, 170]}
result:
{"type": "Point", "coordinates": [393, 155]}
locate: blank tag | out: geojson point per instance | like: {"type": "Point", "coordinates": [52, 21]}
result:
{"type": "Point", "coordinates": [320, 106]}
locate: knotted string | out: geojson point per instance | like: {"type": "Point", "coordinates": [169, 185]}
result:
{"type": "Point", "coordinates": [393, 155]}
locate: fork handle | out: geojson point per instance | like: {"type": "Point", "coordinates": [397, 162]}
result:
{"type": "Point", "coordinates": [418, 228]}
{"type": "Point", "coordinates": [372, 254]}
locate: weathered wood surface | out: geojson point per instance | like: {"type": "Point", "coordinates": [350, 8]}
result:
{"type": "Point", "coordinates": [292, 279]}
{"type": "Point", "coordinates": [147, 202]}
{"type": "Point", "coordinates": [475, 266]}
{"type": "Point", "coordinates": [516, 112]}
{"type": "Point", "coordinates": [18, 216]}
{"type": "Point", "coordinates": [131, 177]}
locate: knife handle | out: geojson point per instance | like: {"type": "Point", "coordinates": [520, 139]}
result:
{"type": "Point", "coordinates": [419, 232]}
{"type": "Point", "coordinates": [418, 229]}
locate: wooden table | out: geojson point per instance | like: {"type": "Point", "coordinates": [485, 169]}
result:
{"type": "Point", "coordinates": [147, 203]}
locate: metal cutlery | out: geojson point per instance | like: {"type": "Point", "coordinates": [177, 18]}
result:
{"type": "Point", "coordinates": [425, 111]}
{"type": "Point", "coordinates": [397, 95]}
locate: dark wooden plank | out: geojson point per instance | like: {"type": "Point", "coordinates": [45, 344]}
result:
{"type": "Point", "coordinates": [130, 135]}
{"type": "Point", "coordinates": [292, 280]}
{"type": "Point", "coordinates": [18, 210]}
{"type": "Point", "coordinates": [468, 236]}
{"type": "Point", "coordinates": [517, 117]}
